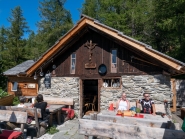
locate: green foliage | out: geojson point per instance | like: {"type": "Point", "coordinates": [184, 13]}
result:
{"type": "Point", "coordinates": [3, 79]}
{"type": "Point", "coordinates": [16, 101]}
{"type": "Point", "coordinates": [76, 115]}
{"type": "Point", "coordinates": [3, 93]}
{"type": "Point", "coordinates": [55, 21]}
{"type": "Point", "coordinates": [13, 47]}
{"type": "Point", "coordinates": [52, 130]}
{"type": "Point", "coordinates": [138, 110]}
{"type": "Point", "coordinates": [160, 24]}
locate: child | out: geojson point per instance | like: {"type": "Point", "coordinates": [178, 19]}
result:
{"type": "Point", "coordinates": [22, 100]}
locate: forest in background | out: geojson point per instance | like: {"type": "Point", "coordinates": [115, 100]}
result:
{"type": "Point", "coordinates": [158, 23]}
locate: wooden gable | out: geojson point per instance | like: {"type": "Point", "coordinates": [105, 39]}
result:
{"type": "Point", "coordinates": [106, 38]}
{"type": "Point", "coordinates": [101, 54]}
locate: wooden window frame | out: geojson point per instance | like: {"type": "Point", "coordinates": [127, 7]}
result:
{"type": "Point", "coordinates": [112, 78]}
{"type": "Point", "coordinates": [72, 65]}
{"type": "Point", "coordinates": [111, 68]}
{"type": "Point", "coordinates": [12, 85]}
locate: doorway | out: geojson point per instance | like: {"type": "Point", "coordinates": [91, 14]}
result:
{"type": "Point", "coordinates": [90, 96]}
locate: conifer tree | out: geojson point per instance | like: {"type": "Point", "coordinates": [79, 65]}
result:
{"type": "Point", "coordinates": [13, 52]}
{"type": "Point", "coordinates": [55, 22]}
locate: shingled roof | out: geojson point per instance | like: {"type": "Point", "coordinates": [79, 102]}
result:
{"type": "Point", "coordinates": [21, 68]}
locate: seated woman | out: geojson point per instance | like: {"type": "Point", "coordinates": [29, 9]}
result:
{"type": "Point", "coordinates": [123, 103]}
{"type": "Point", "coordinates": [22, 100]}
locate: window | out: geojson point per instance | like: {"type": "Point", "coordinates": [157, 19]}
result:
{"type": "Point", "coordinates": [114, 83]}
{"type": "Point", "coordinates": [73, 63]}
{"type": "Point", "coordinates": [114, 61]}
{"type": "Point", "coordinates": [14, 86]}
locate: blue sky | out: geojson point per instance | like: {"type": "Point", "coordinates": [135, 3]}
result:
{"type": "Point", "coordinates": [31, 13]}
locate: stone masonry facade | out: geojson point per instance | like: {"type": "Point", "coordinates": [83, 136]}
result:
{"type": "Point", "coordinates": [180, 89]}
{"type": "Point", "coordinates": [158, 86]}
{"type": "Point", "coordinates": [64, 87]}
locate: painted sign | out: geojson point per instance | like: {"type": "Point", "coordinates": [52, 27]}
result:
{"type": "Point", "coordinates": [47, 80]}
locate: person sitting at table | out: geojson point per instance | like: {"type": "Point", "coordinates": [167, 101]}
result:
{"type": "Point", "coordinates": [147, 104]}
{"type": "Point", "coordinates": [42, 105]}
{"type": "Point", "coordinates": [123, 103]}
{"type": "Point", "coordinates": [22, 100]}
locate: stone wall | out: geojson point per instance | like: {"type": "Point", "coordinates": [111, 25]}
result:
{"type": "Point", "coordinates": [62, 87]}
{"type": "Point", "coordinates": [180, 88]}
{"type": "Point", "coordinates": [158, 86]}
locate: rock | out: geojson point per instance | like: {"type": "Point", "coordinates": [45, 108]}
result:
{"type": "Point", "coordinates": [137, 78]}
{"type": "Point", "coordinates": [126, 85]}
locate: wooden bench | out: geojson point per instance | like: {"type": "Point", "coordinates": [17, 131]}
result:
{"type": "Point", "coordinates": [56, 100]}
{"type": "Point", "coordinates": [118, 127]}
{"type": "Point", "coordinates": [13, 117]}
{"type": "Point", "coordinates": [60, 101]}
{"type": "Point", "coordinates": [36, 128]}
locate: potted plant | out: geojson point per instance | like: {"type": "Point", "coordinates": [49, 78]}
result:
{"type": "Point", "coordinates": [5, 98]}
{"type": "Point", "coordinates": [138, 111]}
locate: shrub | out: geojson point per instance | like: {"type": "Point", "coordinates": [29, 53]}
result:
{"type": "Point", "coordinates": [3, 93]}
{"type": "Point", "coordinates": [16, 101]}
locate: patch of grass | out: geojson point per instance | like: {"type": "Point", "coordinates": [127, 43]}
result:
{"type": "Point", "coordinates": [52, 130]}
{"type": "Point", "coordinates": [174, 121]}
{"type": "Point", "coordinates": [66, 133]}
{"type": "Point", "coordinates": [76, 115]}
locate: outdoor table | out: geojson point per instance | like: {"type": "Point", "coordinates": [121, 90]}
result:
{"type": "Point", "coordinates": [108, 124]}
{"type": "Point", "coordinates": [146, 116]}
{"type": "Point", "coordinates": [52, 109]}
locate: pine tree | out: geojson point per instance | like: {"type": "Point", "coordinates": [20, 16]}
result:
{"type": "Point", "coordinates": [55, 22]}
{"type": "Point", "coordinates": [13, 53]}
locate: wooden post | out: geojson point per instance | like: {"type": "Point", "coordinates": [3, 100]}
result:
{"type": "Point", "coordinates": [173, 88]}
{"type": "Point", "coordinates": [37, 122]}
{"type": "Point", "coordinates": [51, 119]}
{"type": "Point", "coordinates": [59, 116]}
{"type": "Point", "coordinates": [22, 128]}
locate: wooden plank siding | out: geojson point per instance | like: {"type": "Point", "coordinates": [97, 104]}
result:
{"type": "Point", "coordinates": [22, 86]}
{"type": "Point", "coordinates": [101, 55]}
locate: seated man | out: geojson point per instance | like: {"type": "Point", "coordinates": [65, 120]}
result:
{"type": "Point", "coordinates": [147, 104]}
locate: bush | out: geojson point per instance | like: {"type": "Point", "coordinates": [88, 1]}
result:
{"type": "Point", "coordinates": [52, 130]}
{"type": "Point", "coordinates": [3, 93]}
{"type": "Point", "coordinates": [16, 101]}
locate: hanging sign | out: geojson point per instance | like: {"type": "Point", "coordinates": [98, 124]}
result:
{"type": "Point", "coordinates": [47, 80]}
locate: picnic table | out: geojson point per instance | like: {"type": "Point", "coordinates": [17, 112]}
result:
{"type": "Point", "coordinates": [108, 124]}
{"type": "Point", "coordinates": [145, 117]}
{"type": "Point", "coordinates": [52, 109]}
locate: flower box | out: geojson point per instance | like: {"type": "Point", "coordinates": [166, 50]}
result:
{"type": "Point", "coordinates": [7, 100]}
